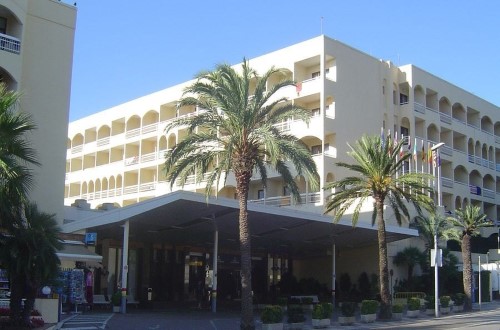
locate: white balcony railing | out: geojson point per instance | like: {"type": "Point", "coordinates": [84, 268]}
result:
{"type": "Point", "coordinates": [419, 108]}
{"type": "Point", "coordinates": [306, 198]}
{"type": "Point", "coordinates": [10, 44]}
{"type": "Point", "coordinates": [103, 141]}
{"type": "Point", "coordinates": [488, 193]}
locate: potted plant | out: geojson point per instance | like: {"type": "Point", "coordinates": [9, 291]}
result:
{"type": "Point", "coordinates": [116, 300]}
{"type": "Point", "coordinates": [413, 307]}
{"type": "Point", "coordinates": [397, 312]}
{"type": "Point", "coordinates": [272, 318]}
{"type": "Point", "coordinates": [445, 304]}
{"type": "Point", "coordinates": [295, 318]}
{"type": "Point", "coordinates": [369, 311]}
{"type": "Point", "coordinates": [430, 306]}
{"type": "Point", "coordinates": [458, 302]}
{"type": "Point", "coordinates": [347, 310]}
{"type": "Point", "coordinates": [321, 315]}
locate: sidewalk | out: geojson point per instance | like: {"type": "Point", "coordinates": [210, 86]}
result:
{"type": "Point", "coordinates": [197, 319]}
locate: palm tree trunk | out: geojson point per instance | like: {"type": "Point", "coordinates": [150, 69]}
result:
{"type": "Point", "coordinates": [467, 271]}
{"type": "Point", "coordinates": [385, 296]}
{"type": "Point", "coordinates": [247, 321]}
{"type": "Point", "coordinates": [17, 287]}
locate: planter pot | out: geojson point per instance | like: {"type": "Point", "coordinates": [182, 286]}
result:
{"type": "Point", "coordinates": [346, 320]}
{"type": "Point", "coordinates": [445, 310]}
{"type": "Point", "coordinates": [272, 326]}
{"type": "Point", "coordinates": [296, 326]}
{"type": "Point", "coordinates": [368, 318]}
{"type": "Point", "coordinates": [397, 316]}
{"type": "Point", "coordinates": [116, 309]}
{"type": "Point", "coordinates": [413, 314]}
{"type": "Point", "coordinates": [458, 308]}
{"type": "Point", "coordinates": [430, 312]}
{"type": "Point", "coordinates": [320, 323]}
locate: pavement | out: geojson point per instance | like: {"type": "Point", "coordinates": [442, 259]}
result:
{"type": "Point", "coordinates": [203, 319]}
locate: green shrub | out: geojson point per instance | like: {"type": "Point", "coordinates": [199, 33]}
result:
{"type": "Point", "coordinates": [322, 311]}
{"type": "Point", "coordinates": [116, 298]}
{"type": "Point", "coordinates": [348, 308]}
{"type": "Point", "coordinates": [459, 299]}
{"type": "Point", "coordinates": [295, 315]}
{"type": "Point", "coordinates": [430, 302]}
{"type": "Point", "coordinates": [369, 307]}
{"type": "Point", "coordinates": [317, 312]}
{"type": "Point", "coordinates": [271, 314]}
{"type": "Point", "coordinates": [445, 301]}
{"type": "Point", "coordinates": [413, 304]}
{"type": "Point", "coordinates": [397, 308]}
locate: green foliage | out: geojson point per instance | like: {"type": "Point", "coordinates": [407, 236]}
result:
{"type": "Point", "coordinates": [116, 298]}
{"type": "Point", "coordinates": [348, 308]}
{"type": "Point", "coordinates": [364, 285]}
{"type": "Point", "coordinates": [430, 302]}
{"type": "Point", "coordinates": [445, 301]}
{"type": "Point", "coordinates": [295, 314]}
{"type": "Point", "coordinates": [413, 304]}
{"type": "Point", "coordinates": [459, 299]}
{"type": "Point", "coordinates": [369, 307]}
{"type": "Point", "coordinates": [397, 308]}
{"type": "Point", "coordinates": [322, 311]}
{"type": "Point", "coordinates": [271, 314]}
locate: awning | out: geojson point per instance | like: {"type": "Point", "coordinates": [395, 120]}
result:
{"type": "Point", "coordinates": [76, 251]}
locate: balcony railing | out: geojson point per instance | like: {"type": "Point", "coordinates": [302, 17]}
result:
{"type": "Point", "coordinates": [445, 118]}
{"type": "Point", "coordinates": [306, 198]}
{"type": "Point", "coordinates": [10, 44]}
{"type": "Point", "coordinates": [488, 193]}
{"type": "Point", "coordinates": [419, 108]}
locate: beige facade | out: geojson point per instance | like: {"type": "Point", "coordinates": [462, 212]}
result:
{"type": "Point", "coordinates": [36, 59]}
{"type": "Point", "coordinates": [116, 156]}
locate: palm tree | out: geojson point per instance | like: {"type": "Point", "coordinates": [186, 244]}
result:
{"type": "Point", "coordinates": [237, 131]}
{"type": "Point", "coordinates": [431, 225]}
{"type": "Point", "coordinates": [29, 252]}
{"type": "Point", "coordinates": [467, 222]}
{"type": "Point", "coordinates": [379, 180]}
{"type": "Point", "coordinates": [410, 256]}
{"type": "Point", "coordinates": [15, 156]}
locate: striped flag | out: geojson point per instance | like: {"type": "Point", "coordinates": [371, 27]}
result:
{"type": "Point", "coordinates": [401, 150]}
{"type": "Point", "coordinates": [423, 151]}
{"type": "Point", "coordinates": [415, 150]}
{"type": "Point", "coordinates": [429, 154]}
{"type": "Point", "coordinates": [382, 137]}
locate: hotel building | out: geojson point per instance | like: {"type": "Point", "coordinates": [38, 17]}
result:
{"type": "Point", "coordinates": [115, 162]}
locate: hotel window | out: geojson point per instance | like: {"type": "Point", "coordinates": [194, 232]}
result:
{"type": "Point", "coordinates": [3, 25]}
{"type": "Point", "coordinates": [316, 150]}
{"type": "Point", "coordinates": [315, 112]}
{"type": "Point", "coordinates": [316, 74]}
{"type": "Point", "coordinates": [260, 194]}
{"type": "Point", "coordinates": [403, 99]}
{"type": "Point", "coordinates": [286, 191]}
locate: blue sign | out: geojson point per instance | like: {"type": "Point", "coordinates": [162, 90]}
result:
{"type": "Point", "coordinates": [90, 238]}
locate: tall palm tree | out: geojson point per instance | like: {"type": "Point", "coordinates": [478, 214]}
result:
{"type": "Point", "coordinates": [15, 156]}
{"type": "Point", "coordinates": [467, 222]}
{"type": "Point", "coordinates": [431, 225]}
{"type": "Point", "coordinates": [29, 252]}
{"type": "Point", "coordinates": [379, 179]}
{"type": "Point", "coordinates": [237, 132]}
{"type": "Point", "coordinates": [410, 256]}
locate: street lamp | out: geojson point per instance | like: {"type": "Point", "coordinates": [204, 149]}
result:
{"type": "Point", "coordinates": [435, 154]}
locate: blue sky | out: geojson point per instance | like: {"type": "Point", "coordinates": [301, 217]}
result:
{"type": "Point", "coordinates": [128, 49]}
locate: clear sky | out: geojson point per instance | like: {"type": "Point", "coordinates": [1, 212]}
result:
{"type": "Point", "coordinates": [128, 49]}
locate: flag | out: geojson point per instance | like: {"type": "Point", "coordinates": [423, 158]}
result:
{"type": "Point", "coordinates": [401, 150]}
{"type": "Point", "coordinates": [382, 138]}
{"type": "Point", "coordinates": [423, 151]}
{"type": "Point", "coordinates": [429, 153]}
{"type": "Point", "coordinates": [389, 140]}
{"type": "Point", "coordinates": [415, 150]}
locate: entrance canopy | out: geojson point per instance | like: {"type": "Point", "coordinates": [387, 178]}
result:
{"type": "Point", "coordinates": [76, 251]}
{"type": "Point", "coordinates": [187, 218]}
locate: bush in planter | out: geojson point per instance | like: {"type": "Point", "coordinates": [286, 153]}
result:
{"type": "Point", "coordinates": [271, 314]}
{"type": "Point", "coordinates": [369, 307]}
{"type": "Point", "coordinates": [348, 308]}
{"type": "Point", "coordinates": [397, 312]}
{"type": "Point", "coordinates": [307, 301]}
{"type": "Point", "coordinates": [369, 311]}
{"type": "Point", "coordinates": [413, 304]}
{"type": "Point", "coordinates": [430, 302]}
{"type": "Point", "coordinates": [445, 301]}
{"type": "Point", "coordinates": [116, 298]}
{"type": "Point", "coordinates": [317, 312]}
{"type": "Point", "coordinates": [459, 299]}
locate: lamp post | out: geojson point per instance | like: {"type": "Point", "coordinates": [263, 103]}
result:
{"type": "Point", "coordinates": [437, 160]}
